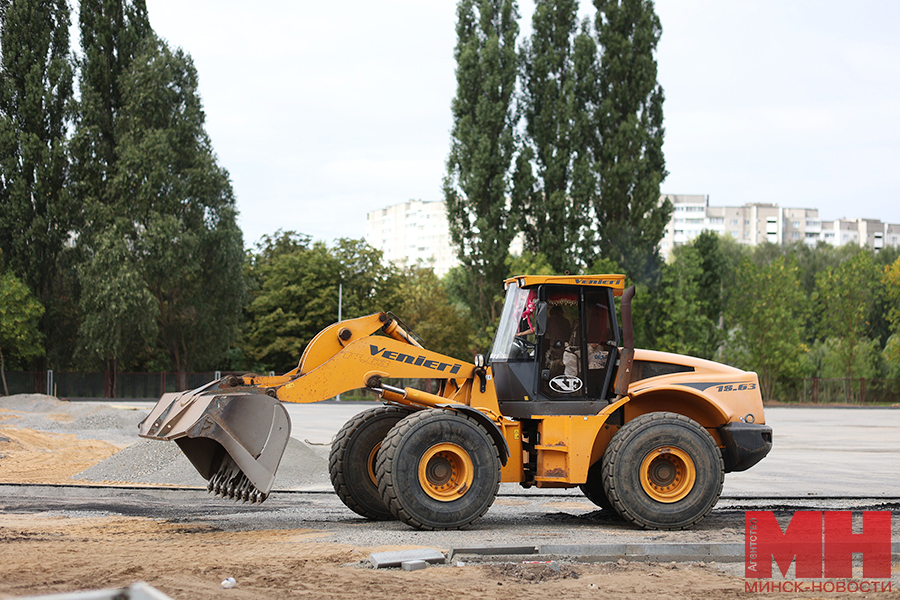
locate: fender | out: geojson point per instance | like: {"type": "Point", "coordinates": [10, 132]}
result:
{"type": "Point", "coordinates": [489, 426]}
{"type": "Point", "coordinates": [679, 399]}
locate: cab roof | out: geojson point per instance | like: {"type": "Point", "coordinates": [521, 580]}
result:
{"type": "Point", "coordinates": [616, 282]}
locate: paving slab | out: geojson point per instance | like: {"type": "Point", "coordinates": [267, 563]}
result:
{"type": "Point", "coordinates": [395, 558]}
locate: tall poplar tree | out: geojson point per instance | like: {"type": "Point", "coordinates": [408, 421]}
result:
{"type": "Point", "coordinates": [35, 90]}
{"type": "Point", "coordinates": [630, 216]}
{"type": "Point", "coordinates": [181, 208]}
{"type": "Point", "coordinates": [558, 74]}
{"type": "Point", "coordinates": [113, 32]}
{"type": "Point", "coordinates": [477, 185]}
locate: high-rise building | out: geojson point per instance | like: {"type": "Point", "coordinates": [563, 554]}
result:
{"type": "Point", "coordinates": [756, 223]}
{"type": "Point", "coordinates": [413, 233]}
{"type": "Point", "coordinates": [416, 231]}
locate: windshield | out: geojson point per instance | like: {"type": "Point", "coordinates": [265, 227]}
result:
{"type": "Point", "coordinates": [517, 317]}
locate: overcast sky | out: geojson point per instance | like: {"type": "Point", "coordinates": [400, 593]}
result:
{"type": "Point", "coordinates": [323, 111]}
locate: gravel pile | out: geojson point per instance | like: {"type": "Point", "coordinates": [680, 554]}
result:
{"type": "Point", "coordinates": [87, 420]}
{"type": "Point", "coordinates": [151, 461]}
{"type": "Point", "coordinates": [144, 461]}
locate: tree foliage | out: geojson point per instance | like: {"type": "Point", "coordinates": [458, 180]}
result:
{"type": "Point", "coordinates": [476, 186]}
{"type": "Point", "coordinates": [297, 293]}
{"type": "Point", "coordinates": [113, 33]}
{"type": "Point", "coordinates": [559, 79]}
{"type": "Point", "coordinates": [630, 136]}
{"type": "Point", "coordinates": [844, 299]}
{"type": "Point", "coordinates": [767, 314]}
{"type": "Point", "coordinates": [682, 321]}
{"type": "Point", "coordinates": [19, 315]}
{"type": "Point", "coordinates": [119, 313]}
{"type": "Point", "coordinates": [35, 91]}
{"type": "Point", "coordinates": [174, 205]}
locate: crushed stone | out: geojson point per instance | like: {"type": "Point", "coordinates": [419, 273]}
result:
{"type": "Point", "coordinates": [303, 467]}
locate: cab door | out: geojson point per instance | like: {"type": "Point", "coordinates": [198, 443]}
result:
{"type": "Point", "coordinates": [579, 346]}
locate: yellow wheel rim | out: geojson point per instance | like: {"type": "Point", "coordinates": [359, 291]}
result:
{"type": "Point", "coordinates": [446, 472]}
{"type": "Point", "coordinates": [668, 474]}
{"type": "Point", "coordinates": [370, 463]}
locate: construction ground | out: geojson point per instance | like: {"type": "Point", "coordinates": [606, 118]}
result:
{"type": "Point", "coordinates": [86, 504]}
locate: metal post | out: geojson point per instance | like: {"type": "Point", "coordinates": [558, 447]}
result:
{"type": "Point", "coordinates": [49, 390]}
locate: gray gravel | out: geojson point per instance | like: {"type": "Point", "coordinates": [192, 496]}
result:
{"type": "Point", "coordinates": [87, 420]}
{"type": "Point", "coordinates": [303, 467]}
{"type": "Point", "coordinates": [150, 461]}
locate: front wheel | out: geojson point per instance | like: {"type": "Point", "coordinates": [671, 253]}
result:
{"type": "Point", "coordinates": [663, 471]}
{"type": "Point", "coordinates": [351, 463]}
{"type": "Point", "coordinates": [438, 469]}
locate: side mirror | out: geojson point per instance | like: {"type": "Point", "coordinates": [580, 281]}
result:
{"type": "Point", "coordinates": [540, 318]}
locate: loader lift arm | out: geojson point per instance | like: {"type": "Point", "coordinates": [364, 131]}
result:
{"type": "Point", "coordinates": [235, 430]}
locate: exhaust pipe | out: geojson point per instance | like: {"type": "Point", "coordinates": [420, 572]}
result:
{"type": "Point", "coordinates": [626, 358]}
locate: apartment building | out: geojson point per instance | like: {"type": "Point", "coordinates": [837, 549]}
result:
{"type": "Point", "coordinates": [756, 223]}
{"type": "Point", "coordinates": [416, 231]}
{"type": "Point", "coordinates": [413, 233]}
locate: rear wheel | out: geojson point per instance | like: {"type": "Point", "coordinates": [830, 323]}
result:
{"type": "Point", "coordinates": [438, 469]}
{"type": "Point", "coordinates": [352, 460]}
{"type": "Point", "coordinates": [593, 487]}
{"type": "Point", "coordinates": [663, 471]}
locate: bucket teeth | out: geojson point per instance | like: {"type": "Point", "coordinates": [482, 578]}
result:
{"type": "Point", "coordinates": [230, 482]}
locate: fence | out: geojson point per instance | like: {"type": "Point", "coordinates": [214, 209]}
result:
{"type": "Point", "coordinates": [817, 390]}
{"type": "Point", "coordinates": [134, 385]}
{"type": "Point", "coordinates": [99, 384]}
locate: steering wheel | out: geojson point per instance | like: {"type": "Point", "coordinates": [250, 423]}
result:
{"type": "Point", "coordinates": [525, 346]}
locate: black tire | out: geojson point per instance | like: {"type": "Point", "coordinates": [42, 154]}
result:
{"type": "Point", "coordinates": [593, 488]}
{"type": "Point", "coordinates": [663, 471]}
{"type": "Point", "coordinates": [438, 469]}
{"type": "Point", "coordinates": [351, 463]}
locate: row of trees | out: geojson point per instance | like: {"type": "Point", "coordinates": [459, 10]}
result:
{"type": "Point", "coordinates": [120, 222]}
{"type": "Point", "coordinates": [116, 215]}
{"type": "Point", "coordinates": [783, 311]}
{"type": "Point", "coordinates": [556, 135]}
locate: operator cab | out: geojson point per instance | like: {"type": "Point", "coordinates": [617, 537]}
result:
{"type": "Point", "coordinates": [556, 346]}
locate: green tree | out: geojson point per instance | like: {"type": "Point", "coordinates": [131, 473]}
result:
{"type": "Point", "coordinates": [298, 293]}
{"type": "Point", "coordinates": [844, 299]}
{"type": "Point", "coordinates": [559, 77]}
{"type": "Point", "coordinates": [426, 307]}
{"type": "Point", "coordinates": [113, 32]}
{"type": "Point", "coordinates": [19, 315]}
{"type": "Point", "coordinates": [476, 186]}
{"type": "Point", "coordinates": [119, 312]}
{"type": "Point", "coordinates": [181, 209]}
{"type": "Point", "coordinates": [35, 91]}
{"type": "Point", "coordinates": [891, 282]}
{"type": "Point", "coordinates": [766, 315]}
{"type": "Point", "coordinates": [680, 321]}
{"type": "Point", "coordinates": [629, 119]}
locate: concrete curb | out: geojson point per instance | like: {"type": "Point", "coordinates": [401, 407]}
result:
{"type": "Point", "coordinates": [657, 552]}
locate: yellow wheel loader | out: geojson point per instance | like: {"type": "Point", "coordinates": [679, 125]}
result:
{"type": "Point", "coordinates": [564, 400]}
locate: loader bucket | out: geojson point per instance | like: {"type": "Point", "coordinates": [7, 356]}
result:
{"type": "Point", "coordinates": [234, 438]}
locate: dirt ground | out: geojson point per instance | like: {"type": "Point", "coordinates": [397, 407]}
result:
{"type": "Point", "coordinates": [31, 456]}
{"type": "Point", "coordinates": [49, 552]}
